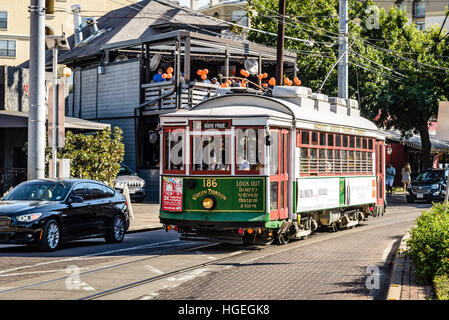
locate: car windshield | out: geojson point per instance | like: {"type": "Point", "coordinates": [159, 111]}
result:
{"type": "Point", "coordinates": [125, 171]}
{"type": "Point", "coordinates": [430, 176]}
{"type": "Point", "coordinates": [38, 191]}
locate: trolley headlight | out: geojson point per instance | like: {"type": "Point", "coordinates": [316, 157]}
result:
{"type": "Point", "coordinates": [209, 202]}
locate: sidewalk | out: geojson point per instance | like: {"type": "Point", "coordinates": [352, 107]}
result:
{"type": "Point", "coordinates": [403, 284]}
{"type": "Point", "coordinates": [146, 217]}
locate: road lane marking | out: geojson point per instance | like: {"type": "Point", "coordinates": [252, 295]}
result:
{"type": "Point", "coordinates": [87, 256]}
{"type": "Point", "coordinates": [33, 272]}
{"type": "Point", "coordinates": [153, 269]}
{"type": "Point", "coordinates": [188, 276]}
{"type": "Point", "coordinates": [387, 252]}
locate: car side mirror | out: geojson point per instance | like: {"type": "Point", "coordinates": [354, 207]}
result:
{"type": "Point", "coordinates": [75, 199]}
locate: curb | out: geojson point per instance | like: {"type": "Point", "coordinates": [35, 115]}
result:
{"type": "Point", "coordinates": [394, 291]}
{"type": "Point", "coordinates": [144, 228]}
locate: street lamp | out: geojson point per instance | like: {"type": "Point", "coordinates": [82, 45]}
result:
{"type": "Point", "coordinates": [55, 43]}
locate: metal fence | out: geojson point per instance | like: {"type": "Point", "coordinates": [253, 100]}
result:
{"type": "Point", "coordinates": [11, 177]}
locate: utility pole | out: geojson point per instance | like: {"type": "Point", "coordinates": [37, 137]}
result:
{"type": "Point", "coordinates": [37, 111]}
{"type": "Point", "coordinates": [343, 50]}
{"type": "Point", "coordinates": [280, 46]}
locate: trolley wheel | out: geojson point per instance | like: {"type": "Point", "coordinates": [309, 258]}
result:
{"type": "Point", "coordinates": [283, 238]}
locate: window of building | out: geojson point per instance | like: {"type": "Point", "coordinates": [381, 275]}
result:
{"type": "Point", "coordinates": [7, 48]}
{"type": "Point", "coordinates": [3, 20]}
{"type": "Point", "coordinates": [401, 5]}
{"type": "Point", "coordinates": [420, 9]}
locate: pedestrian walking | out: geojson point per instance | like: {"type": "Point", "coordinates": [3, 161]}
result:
{"type": "Point", "coordinates": [389, 178]}
{"type": "Point", "coordinates": [406, 175]}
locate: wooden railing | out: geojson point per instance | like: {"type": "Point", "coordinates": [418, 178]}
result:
{"type": "Point", "coordinates": [162, 95]}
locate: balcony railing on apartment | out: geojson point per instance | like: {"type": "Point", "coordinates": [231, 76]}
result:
{"type": "Point", "coordinates": [162, 95]}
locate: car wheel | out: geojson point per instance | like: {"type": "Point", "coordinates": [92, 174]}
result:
{"type": "Point", "coordinates": [51, 236]}
{"type": "Point", "coordinates": [116, 232]}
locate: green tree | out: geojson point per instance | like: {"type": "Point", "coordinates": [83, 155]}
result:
{"type": "Point", "coordinates": [94, 156]}
{"type": "Point", "coordinates": [409, 104]}
{"type": "Point", "coordinates": [395, 70]}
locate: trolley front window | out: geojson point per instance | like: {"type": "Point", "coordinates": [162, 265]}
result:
{"type": "Point", "coordinates": [174, 145]}
{"type": "Point", "coordinates": [211, 147]}
{"type": "Point", "coordinates": [249, 150]}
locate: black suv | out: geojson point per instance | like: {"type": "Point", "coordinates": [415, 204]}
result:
{"type": "Point", "coordinates": [430, 185]}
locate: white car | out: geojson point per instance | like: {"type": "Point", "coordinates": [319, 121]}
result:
{"type": "Point", "coordinates": [127, 176]}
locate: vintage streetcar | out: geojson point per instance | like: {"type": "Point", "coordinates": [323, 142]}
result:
{"type": "Point", "coordinates": [255, 168]}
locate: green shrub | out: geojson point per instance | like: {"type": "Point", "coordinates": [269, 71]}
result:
{"type": "Point", "coordinates": [94, 156]}
{"type": "Point", "coordinates": [429, 243]}
{"type": "Point", "coordinates": [441, 285]}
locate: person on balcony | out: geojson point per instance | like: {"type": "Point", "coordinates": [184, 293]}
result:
{"type": "Point", "coordinates": [158, 76]}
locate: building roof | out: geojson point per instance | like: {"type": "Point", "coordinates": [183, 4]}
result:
{"type": "Point", "coordinates": [414, 141]}
{"type": "Point", "coordinates": [17, 119]}
{"type": "Point", "coordinates": [138, 21]}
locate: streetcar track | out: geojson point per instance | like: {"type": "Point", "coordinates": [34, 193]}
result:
{"type": "Point", "coordinates": [241, 253]}
{"type": "Point", "coordinates": [91, 271]}
{"type": "Point", "coordinates": [163, 276]}
{"type": "Point", "coordinates": [322, 236]}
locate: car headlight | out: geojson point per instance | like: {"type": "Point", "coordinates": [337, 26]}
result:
{"type": "Point", "coordinates": [29, 217]}
{"type": "Point", "coordinates": [435, 186]}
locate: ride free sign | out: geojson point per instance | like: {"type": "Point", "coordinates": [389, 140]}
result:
{"type": "Point", "coordinates": [232, 194]}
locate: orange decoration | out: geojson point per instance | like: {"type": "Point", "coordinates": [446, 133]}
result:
{"type": "Point", "coordinates": [199, 72]}
{"type": "Point", "coordinates": [224, 85]}
{"type": "Point", "coordinates": [242, 72]}
{"type": "Point", "coordinates": [246, 74]}
{"type": "Point", "coordinates": [164, 75]}
{"type": "Point", "coordinates": [205, 71]}
{"type": "Point", "coordinates": [204, 77]}
{"type": "Point", "coordinates": [265, 75]}
{"type": "Point", "coordinates": [286, 81]}
{"type": "Point", "coordinates": [169, 76]}
{"type": "Point", "coordinates": [260, 76]}
{"type": "Point", "coordinates": [265, 85]}
{"type": "Point", "coordinates": [169, 70]}
{"type": "Point", "coordinates": [229, 82]}
{"type": "Point", "coordinates": [297, 81]}
{"type": "Point", "coordinates": [272, 82]}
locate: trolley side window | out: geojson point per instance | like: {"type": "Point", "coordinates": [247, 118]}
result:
{"type": "Point", "coordinates": [249, 150]}
{"type": "Point", "coordinates": [174, 145]}
{"type": "Point", "coordinates": [334, 154]}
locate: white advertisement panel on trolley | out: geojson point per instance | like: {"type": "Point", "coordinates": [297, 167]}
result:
{"type": "Point", "coordinates": [360, 190]}
{"type": "Point", "coordinates": [317, 194]}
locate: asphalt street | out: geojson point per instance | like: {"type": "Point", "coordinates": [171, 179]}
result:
{"type": "Point", "coordinates": [150, 265]}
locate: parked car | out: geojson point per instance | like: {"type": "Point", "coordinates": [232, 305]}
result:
{"type": "Point", "coordinates": [48, 212]}
{"type": "Point", "coordinates": [127, 176]}
{"type": "Point", "coordinates": [429, 185]}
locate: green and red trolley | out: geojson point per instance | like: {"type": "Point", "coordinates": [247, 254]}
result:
{"type": "Point", "coordinates": [249, 168]}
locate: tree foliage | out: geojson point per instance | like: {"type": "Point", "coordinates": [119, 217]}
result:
{"type": "Point", "coordinates": [94, 156]}
{"type": "Point", "coordinates": [396, 71]}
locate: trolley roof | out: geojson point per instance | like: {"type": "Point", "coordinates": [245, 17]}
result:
{"type": "Point", "coordinates": [231, 106]}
